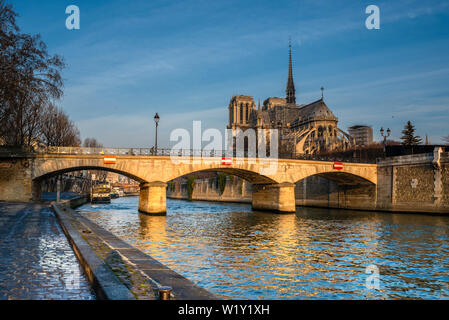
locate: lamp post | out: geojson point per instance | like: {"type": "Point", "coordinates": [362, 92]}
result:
{"type": "Point", "coordinates": [385, 137]}
{"type": "Point", "coordinates": [156, 120]}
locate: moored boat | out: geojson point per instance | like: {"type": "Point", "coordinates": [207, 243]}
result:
{"type": "Point", "coordinates": [100, 194]}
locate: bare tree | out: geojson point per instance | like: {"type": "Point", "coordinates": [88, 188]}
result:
{"type": "Point", "coordinates": [92, 143]}
{"type": "Point", "coordinates": [57, 129]}
{"type": "Point", "coordinates": [99, 174]}
{"type": "Point", "coordinates": [30, 80]}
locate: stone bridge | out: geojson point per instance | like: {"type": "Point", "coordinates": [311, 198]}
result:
{"type": "Point", "coordinates": [273, 180]}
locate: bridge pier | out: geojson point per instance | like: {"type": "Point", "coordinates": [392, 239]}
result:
{"type": "Point", "coordinates": [274, 197]}
{"type": "Point", "coordinates": [152, 198]}
{"type": "Point", "coordinates": [36, 190]}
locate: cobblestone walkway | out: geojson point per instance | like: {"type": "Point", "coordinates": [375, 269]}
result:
{"type": "Point", "coordinates": [36, 260]}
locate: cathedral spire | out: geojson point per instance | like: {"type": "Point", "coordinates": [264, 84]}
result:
{"type": "Point", "coordinates": [290, 85]}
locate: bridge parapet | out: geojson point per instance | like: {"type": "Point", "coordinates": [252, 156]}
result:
{"type": "Point", "coordinates": [163, 152]}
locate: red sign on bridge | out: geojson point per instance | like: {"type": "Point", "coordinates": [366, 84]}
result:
{"type": "Point", "coordinates": [338, 165]}
{"type": "Point", "coordinates": [226, 161]}
{"type": "Point", "coordinates": [110, 159]}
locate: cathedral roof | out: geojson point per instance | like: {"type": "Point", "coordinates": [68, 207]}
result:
{"type": "Point", "coordinates": [242, 98]}
{"type": "Point", "coordinates": [276, 100]}
{"type": "Point", "coordinates": [317, 110]}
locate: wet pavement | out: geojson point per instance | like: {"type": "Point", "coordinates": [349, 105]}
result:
{"type": "Point", "coordinates": [36, 260]}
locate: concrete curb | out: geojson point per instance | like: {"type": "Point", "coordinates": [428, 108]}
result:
{"type": "Point", "coordinates": [103, 281]}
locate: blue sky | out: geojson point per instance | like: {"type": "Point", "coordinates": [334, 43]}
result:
{"type": "Point", "coordinates": [185, 59]}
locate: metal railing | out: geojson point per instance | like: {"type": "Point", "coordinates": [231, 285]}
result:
{"type": "Point", "coordinates": [190, 153]}
{"type": "Point", "coordinates": [131, 152]}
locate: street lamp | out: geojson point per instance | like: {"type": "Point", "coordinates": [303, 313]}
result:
{"type": "Point", "coordinates": [156, 120]}
{"type": "Point", "coordinates": [385, 136]}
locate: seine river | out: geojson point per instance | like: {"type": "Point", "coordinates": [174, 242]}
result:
{"type": "Point", "coordinates": [314, 254]}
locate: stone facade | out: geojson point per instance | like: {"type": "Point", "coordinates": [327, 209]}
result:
{"type": "Point", "coordinates": [15, 179]}
{"type": "Point", "coordinates": [414, 183]}
{"type": "Point", "coordinates": [445, 184]}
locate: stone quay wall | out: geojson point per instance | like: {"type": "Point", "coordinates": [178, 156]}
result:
{"type": "Point", "coordinates": [15, 179]}
{"type": "Point", "coordinates": [236, 190]}
{"type": "Point", "coordinates": [414, 183]}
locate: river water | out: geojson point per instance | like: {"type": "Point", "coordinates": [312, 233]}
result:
{"type": "Point", "coordinates": [316, 253]}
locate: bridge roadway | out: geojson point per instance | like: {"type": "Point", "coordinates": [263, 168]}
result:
{"type": "Point", "coordinates": [273, 180]}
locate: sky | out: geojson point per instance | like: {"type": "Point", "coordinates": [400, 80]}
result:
{"type": "Point", "coordinates": [186, 59]}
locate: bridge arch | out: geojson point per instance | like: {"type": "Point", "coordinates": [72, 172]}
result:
{"type": "Point", "coordinates": [349, 173]}
{"type": "Point", "coordinates": [38, 184]}
{"type": "Point", "coordinates": [248, 175]}
{"type": "Point", "coordinates": [336, 190]}
{"type": "Point", "coordinates": [49, 166]}
{"type": "Point", "coordinates": [80, 168]}
{"type": "Point", "coordinates": [342, 178]}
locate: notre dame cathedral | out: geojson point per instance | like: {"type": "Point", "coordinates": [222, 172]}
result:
{"type": "Point", "coordinates": [303, 129]}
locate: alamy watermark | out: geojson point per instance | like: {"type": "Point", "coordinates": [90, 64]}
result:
{"type": "Point", "coordinates": [72, 279]}
{"type": "Point", "coordinates": [72, 22]}
{"type": "Point", "coordinates": [74, 19]}
{"type": "Point", "coordinates": [249, 146]}
{"type": "Point", "coordinates": [373, 280]}
{"type": "Point", "coordinates": [373, 20]}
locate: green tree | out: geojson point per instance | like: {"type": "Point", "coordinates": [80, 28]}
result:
{"type": "Point", "coordinates": [171, 186]}
{"type": "Point", "coordinates": [190, 186]}
{"type": "Point", "coordinates": [57, 129]}
{"type": "Point", "coordinates": [222, 177]}
{"type": "Point", "coordinates": [409, 138]}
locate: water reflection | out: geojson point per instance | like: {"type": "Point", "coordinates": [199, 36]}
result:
{"type": "Point", "coordinates": [315, 253]}
{"type": "Point", "coordinates": [152, 229]}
